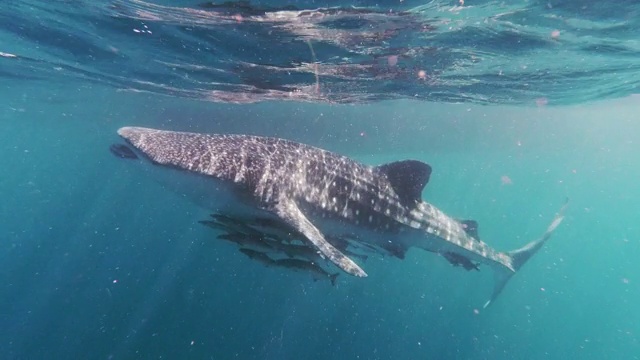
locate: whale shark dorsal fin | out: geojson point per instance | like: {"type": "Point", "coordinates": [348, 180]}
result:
{"type": "Point", "coordinates": [408, 178]}
{"type": "Point", "coordinates": [289, 212]}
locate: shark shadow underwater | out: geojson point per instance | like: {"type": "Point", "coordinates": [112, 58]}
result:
{"type": "Point", "coordinates": [330, 203]}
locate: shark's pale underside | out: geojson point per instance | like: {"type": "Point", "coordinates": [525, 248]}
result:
{"type": "Point", "coordinates": [321, 194]}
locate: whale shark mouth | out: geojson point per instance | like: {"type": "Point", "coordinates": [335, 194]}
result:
{"type": "Point", "coordinates": [123, 151]}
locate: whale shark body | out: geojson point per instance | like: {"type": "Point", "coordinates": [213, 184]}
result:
{"type": "Point", "coordinates": [321, 196]}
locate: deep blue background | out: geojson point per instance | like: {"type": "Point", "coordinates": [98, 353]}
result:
{"type": "Point", "coordinates": [98, 262]}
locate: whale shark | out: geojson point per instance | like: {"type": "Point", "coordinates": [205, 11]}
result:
{"type": "Point", "coordinates": [320, 195]}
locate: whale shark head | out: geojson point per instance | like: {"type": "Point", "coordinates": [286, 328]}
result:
{"type": "Point", "coordinates": [177, 162]}
{"type": "Point", "coordinates": [157, 146]}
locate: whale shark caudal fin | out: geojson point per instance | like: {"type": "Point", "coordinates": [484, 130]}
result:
{"type": "Point", "coordinates": [288, 211]}
{"type": "Point", "coordinates": [520, 256]}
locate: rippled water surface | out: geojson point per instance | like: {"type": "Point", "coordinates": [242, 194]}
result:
{"type": "Point", "coordinates": [489, 52]}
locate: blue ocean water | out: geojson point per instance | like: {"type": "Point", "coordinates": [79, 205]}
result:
{"type": "Point", "coordinates": [97, 262]}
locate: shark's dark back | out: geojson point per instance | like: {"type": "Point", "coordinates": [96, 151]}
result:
{"type": "Point", "coordinates": [257, 163]}
{"type": "Point", "coordinates": [321, 182]}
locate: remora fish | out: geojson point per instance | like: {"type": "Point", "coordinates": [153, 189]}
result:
{"type": "Point", "coordinates": [316, 271]}
{"type": "Point", "coordinates": [258, 256]}
{"type": "Point", "coordinates": [320, 194]}
{"type": "Point", "coordinates": [231, 225]}
{"type": "Point", "coordinates": [306, 266]}
{"type": "Point", "coordinates": [246, 241]}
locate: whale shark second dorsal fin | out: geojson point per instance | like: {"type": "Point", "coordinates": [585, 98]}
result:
{"type": "Point", "coordinates": [471, 228]}
{"type": "Point", "coordinates": [408, 178]}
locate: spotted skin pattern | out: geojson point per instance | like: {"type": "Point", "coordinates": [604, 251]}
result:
{"type": "Point", "coordinates": [298, 182]}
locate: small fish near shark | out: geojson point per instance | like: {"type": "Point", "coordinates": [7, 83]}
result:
{"type": "Point", "coordinates": [267, 236]}
{"type": "Point", "coordinates": [309, 267]}
{"type": "Point", "coordinates": [321, 195]}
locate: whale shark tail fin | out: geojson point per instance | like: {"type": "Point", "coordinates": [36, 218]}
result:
{"type": "Point", "coordinates": [520, 256]}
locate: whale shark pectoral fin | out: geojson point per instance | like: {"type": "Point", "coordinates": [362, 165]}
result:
{"type": "Point", "coordinates": [289, 212]}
